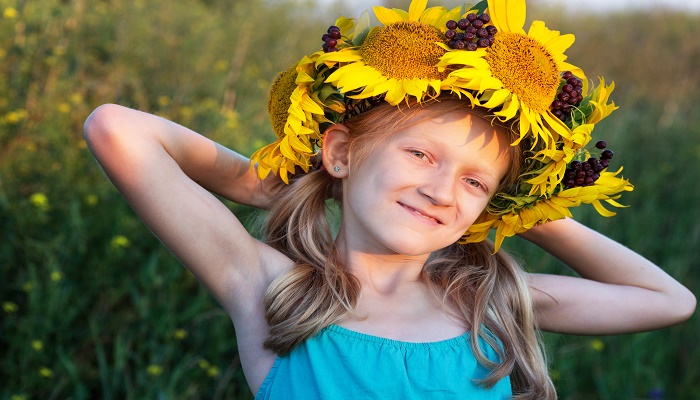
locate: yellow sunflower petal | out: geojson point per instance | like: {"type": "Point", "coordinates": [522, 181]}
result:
{"type": "Point", "coordinates": [510, 108]}
{"type": "Point", "coordinates": [286, 149]}
{"type": "Point", "coordinates": [498, 98]}
{"type": "Point", "coordinates": [345, 25]}
{"type": "Point", "coordinates": [473, 59]}
{"type": "Point", "coordinates": [553, 40]}
{"type": "Point", "coordinates": [401, 13]}
{"type": "Point", "coordinates": [602, 210]}
{"type": "Point", "coordinates": [508, 15]}
{"type": "Point", "coordinates": [489, 82]}
{"type": "Point", "coordinates": [311, 106]}
{"type": "Point", "coordinates": [299, 145]}
{"type": "Point", "coordinates": [386, 16]}
{"type": "Point", "coordinates": [396, 94]}
{"type": "Point", "coordinates": [415, 87]}
{"type": "Point", "coordinates": [432, 16]}
{"type": "Point", "coordinates": [615, 203]}
{"type": "Point", "coordinates": [415, 10]}
{"type": "Point", "coordinates": [435, 84]}
{"type": "Point", "coordinates": [263, 172]}
{"type": "Point", "coordinates": [339, 56]}
{"type": "Point", "coordinates": [354, 76]}
{"type": "Point", "coordinates": [453, 14]}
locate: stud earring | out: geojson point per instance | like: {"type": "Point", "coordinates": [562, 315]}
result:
{"type": "Point", "coordinates": [336, 168]}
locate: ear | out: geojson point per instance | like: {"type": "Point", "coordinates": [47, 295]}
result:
{"type": "Point", "coordinates": [335, 150]}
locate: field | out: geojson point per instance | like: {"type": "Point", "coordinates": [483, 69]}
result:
{"type": "Point", "coordinates": [94, 307]}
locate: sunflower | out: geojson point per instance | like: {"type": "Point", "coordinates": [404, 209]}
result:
{"type": "Point", "coordinates": [519, 73]}
{"type": "Point", "coordinates": [294, 126]}
{"type": "Point", "coordinates": [397, 60]}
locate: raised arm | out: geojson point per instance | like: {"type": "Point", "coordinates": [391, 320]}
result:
{"type": "Point", "coordinates": [163, 169]}
{"type": "Point", "coordinates": [618, 290]}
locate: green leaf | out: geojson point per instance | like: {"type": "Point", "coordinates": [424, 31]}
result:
{"type": "Point", "coordinates": [326, 92]}
{"type": "Point", "coordinates": [481, 6]}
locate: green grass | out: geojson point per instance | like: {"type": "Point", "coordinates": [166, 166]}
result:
{"type": "Point", "coordinates": [94, 307]}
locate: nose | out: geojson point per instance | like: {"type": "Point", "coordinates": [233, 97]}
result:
{"type": "Point", "coordinates": [439, 189]}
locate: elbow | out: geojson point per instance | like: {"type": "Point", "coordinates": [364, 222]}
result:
{"type": "Point", "coordinates": [682, 306]}
{"type": "Point", "coordinates": [102, 122]}
{"type": "Point", "coordinates": [687, 305]}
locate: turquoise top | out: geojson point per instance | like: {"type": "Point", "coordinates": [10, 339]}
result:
{"type": "Point", "coordinates": [342, 364]}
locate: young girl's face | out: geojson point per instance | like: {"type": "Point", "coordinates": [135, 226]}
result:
{"type": "Point", "coordinates": [421, 190]}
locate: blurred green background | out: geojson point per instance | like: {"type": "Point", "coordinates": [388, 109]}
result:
{"type": "Point", "coordinates": [94, 307]}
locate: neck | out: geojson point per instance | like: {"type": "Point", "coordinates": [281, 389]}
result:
{"type": "Point", "coordinates": [381, 271]}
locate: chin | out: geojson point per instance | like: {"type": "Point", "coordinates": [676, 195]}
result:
{"type": "Point", "coordinates": [418, 247]}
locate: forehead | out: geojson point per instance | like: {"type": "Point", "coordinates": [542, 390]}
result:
{"type": "Point", "coordinates": [457, 129]}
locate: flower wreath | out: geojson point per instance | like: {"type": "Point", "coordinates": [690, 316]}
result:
{"type": "Point", "coordinates": [480, 52]}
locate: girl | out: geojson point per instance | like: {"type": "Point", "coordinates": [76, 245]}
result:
{"type": "Point", "coordinates": [428, 141]}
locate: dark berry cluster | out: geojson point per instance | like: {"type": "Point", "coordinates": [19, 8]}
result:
{"type": "Point", "coordinates": [330, 39]}
{"type": "Point", "coordinates": [586, 173]}
{"type": "Point", "coordinates": [474, 32]}
{"type": "Point", "coordinates": [570, 95]}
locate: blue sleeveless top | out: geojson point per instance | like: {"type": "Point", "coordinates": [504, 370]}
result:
{"type": "Point", "coordinates": [339, 363]}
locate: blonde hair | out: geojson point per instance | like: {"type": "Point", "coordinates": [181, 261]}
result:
{"type": "Point", "coordinates": [487, 291]}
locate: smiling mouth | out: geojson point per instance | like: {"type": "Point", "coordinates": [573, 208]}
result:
{"type": "Point", "coordinates": [420, 214]}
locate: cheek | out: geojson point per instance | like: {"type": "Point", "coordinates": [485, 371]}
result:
{"type": "Point", "coordinates": [470, 210]}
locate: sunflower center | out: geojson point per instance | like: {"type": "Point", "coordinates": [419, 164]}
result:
{"type": "Point", "coordinates": [279, 101]}
{"type": "Point", "coordinates": [404, 50]}
{"type": "Point", "coordinates": [526, 69]}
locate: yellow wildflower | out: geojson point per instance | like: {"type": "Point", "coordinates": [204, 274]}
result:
{"type": "Point", "coordinates": [45, 372]}
{"type": "Point", "coordinates": [220, 65]}
{"type": "Point", "coordinates": [56, 276]}
{"type": "Point", "coordinates": [597, 345]}
{"type": "Point", "coordinates": [40, 201]}
{"type": "Point", "coordinates": [9, 307]}
{"type": "Point", "coordinates": [64, 108]}
{"type": "Point", "coordinates": [213, 372]}
{"type": "Point", "coordinates": [163, 101]}
{"type": "Point", "coordinates": [92, 200]}
{"type": "Point", "coordinates": [10, 13]}
{"type": "Point", "coordinates": [154, 370]}
{"type": "Point", "coordinates": [76, 98]}
{"type": "Point", "coordinates": [120, 241]}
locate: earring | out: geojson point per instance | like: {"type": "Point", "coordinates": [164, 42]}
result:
{"type": "Point", "coordinates": [336, 168]}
